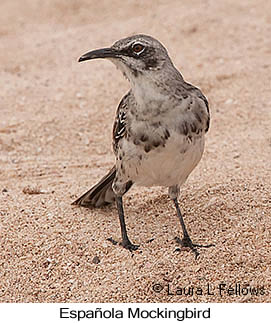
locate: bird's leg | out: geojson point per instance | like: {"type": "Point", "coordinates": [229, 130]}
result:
{"type": "Point", "coordinates": [126, 243]}
{"type": "Point", "coordinates": [186, 240]}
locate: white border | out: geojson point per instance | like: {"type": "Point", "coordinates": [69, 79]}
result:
{"type": "Point", "coordinates": [50, 313]}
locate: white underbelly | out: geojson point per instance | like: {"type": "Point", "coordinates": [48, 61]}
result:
{"type": "Point", "coordinates": [165, 166]}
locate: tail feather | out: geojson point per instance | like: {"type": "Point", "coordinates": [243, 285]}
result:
{"type": "Point", "coordinates": [100, 194]}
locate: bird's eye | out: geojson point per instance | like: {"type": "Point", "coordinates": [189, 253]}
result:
{"type": "Point", "coordinates": [138, 48]}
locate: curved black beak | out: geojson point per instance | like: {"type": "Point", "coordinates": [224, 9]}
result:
{"type": "Point", "coordinates": [99, 53]}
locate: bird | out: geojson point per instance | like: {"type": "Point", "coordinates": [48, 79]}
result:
{"type": "Point", "coordinates": [158, 132]}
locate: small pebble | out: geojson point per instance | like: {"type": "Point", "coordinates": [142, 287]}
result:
{"type": "Point", "coordinates": [96, 260]}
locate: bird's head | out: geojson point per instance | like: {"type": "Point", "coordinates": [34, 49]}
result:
{"type": "Point", "coordinates": [134, 56]}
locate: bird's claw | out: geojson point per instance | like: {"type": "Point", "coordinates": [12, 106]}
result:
{"type": "Point", "coordinates": [186, 242]}
{"type": "Point", "coordinates": [129, 245]}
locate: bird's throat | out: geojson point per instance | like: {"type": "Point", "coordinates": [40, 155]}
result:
{"type": "Point", "coordinates": [147, 92]}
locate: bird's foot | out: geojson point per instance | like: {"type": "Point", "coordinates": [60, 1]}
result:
{"type": "Point", "coordinates": [186, 242]}
{"type": "Point", "coordinates": [114, 242]}
{"type": "Point", "coordinates": [127, 244]}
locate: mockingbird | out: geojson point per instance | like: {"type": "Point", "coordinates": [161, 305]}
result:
{"type": "Point", "coordinates": [159, 129]}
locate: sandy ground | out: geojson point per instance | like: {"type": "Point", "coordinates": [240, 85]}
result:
{"type": "Point", "coordinates": [55, 140]}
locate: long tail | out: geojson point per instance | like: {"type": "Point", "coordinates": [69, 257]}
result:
{"type": "Point", "coordinates": [100, 194]}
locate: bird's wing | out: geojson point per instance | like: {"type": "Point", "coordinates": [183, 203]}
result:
{"type": "Point", "coordinates": [191, 88]}
{"type": "Point", "coordinates": [119, 127]}
{"type": "Point", "coordinates": [201, 96]}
